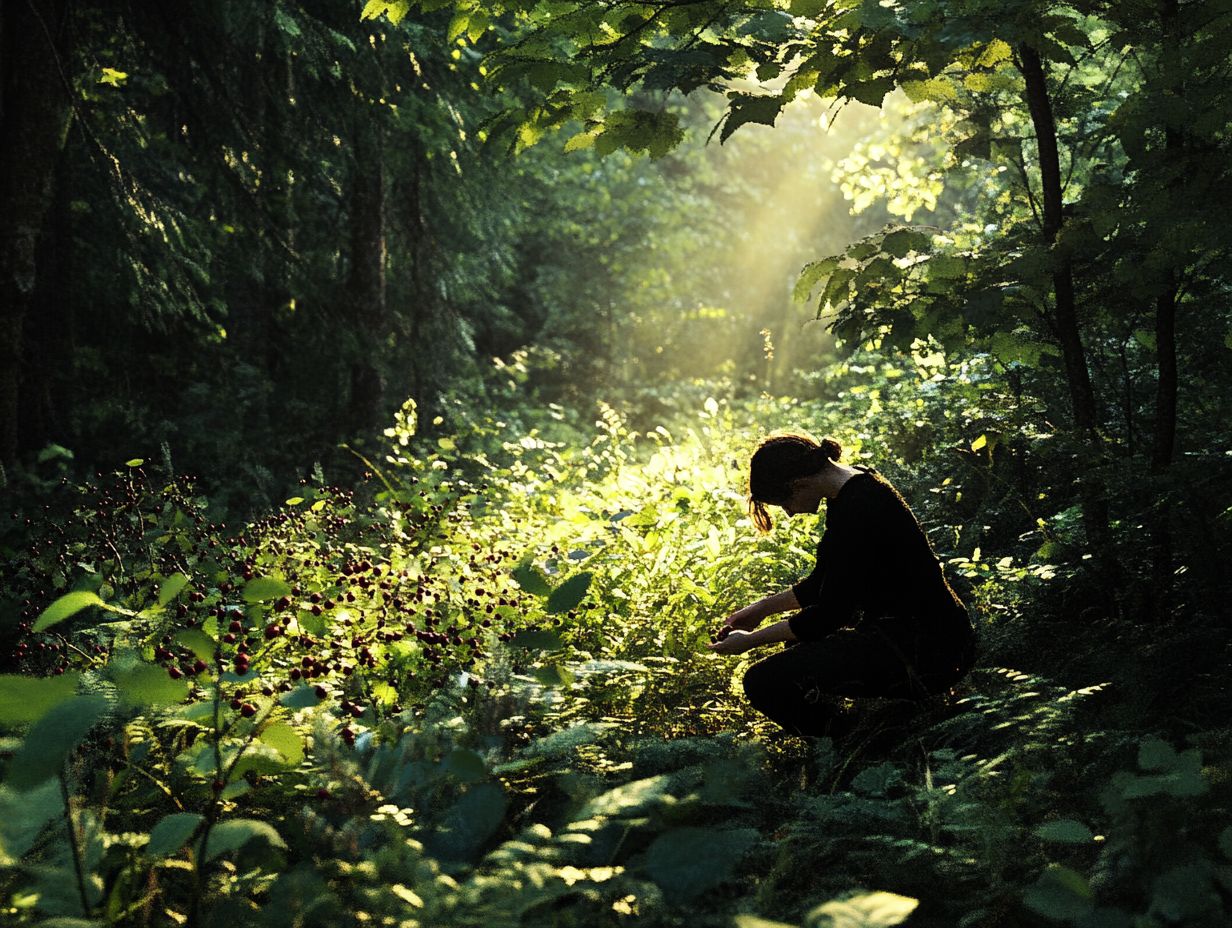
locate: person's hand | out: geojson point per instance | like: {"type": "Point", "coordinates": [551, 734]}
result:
{"type": "Point", "coordinates": [747, 618]}
{"type": "Point", "coordinates": [733, 641]}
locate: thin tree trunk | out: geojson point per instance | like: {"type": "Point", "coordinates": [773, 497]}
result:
{"type": "Point", "coordinates": [1163, 445]}
{"type": "Point", "coordinates": [1065, 312]}
{"type": "Point", "coordinates": [35, 113]}
{"type": "Point", "coordinates": [366, 284]}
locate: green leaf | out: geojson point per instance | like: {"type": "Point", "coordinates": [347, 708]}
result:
{"type": "Point", "coordinates": [23, 815]}
{"type": "Point", "coordinates": [172, 832]}
{"type": "Point", "coordinates": [294, 501]}
{"type": "Point", "coordinates": [1156, 754]}
{"type": "Point", "coordinates": [812, 274]}
{"type": "Point", "coordinates": [866, 910]}
{"type": "Point", "coordinates": [232, 835]}
{"type": "Point", "coordinates": [198, 642]}
{"type": "Point", "coordinates": [870, 92]}
{"type": "Point", "coordinates": [477, 26]}
{"type": "Point", "coordinates": [52, 738]}
{"type": "Point", "coordinates": [1065, 831]}
{"type": "Point", "coordinates": [946, 267]}
{"type": "Point", "coordinates": [570, 593]}
{"type": "Point", "coordinates": [901, 242]}
{"type": "Point", "coordinates": [746, 108]}
{"type": "Point", "coordinates": [1060, 893]}
{"type": "Point", "coordinates": [1225, 842]}
{"type": "Point", "coordinates": [264, 589]}
{"type": "Point", "coordinates": [808, 8]}
{"type": "Point", "coordinates": [302, 697]}
{"type": "Point", "coordinates": [536, 639]}
{"type": "Point", "coordinates": [26, 699]}
{"type": "Point", "coordinates": [979, 443]}
{"type": "Point", "coordinates": [135, 462]}
{"type": "Point", "coordinates": [531, 580]}
{"type": "Point", "coordinates": [144, 685]}
{"type": "Point", "coordinates": [457, 25]}
{"type": "Point", "coordinates": [877, 781]}
{"type": "Point", "coordinates": [67, 605]}
{"type": "Point", "coordinates": [284, 739]}
{"type": "Point", "coordinates": [469, 822]}
{"type": "Point", "coordinates": [553, 675]}
{"type": "Point", "coordinates": [170, 588]}
{"type": "Point", "coordinates": [687, 862]}
{"type": "Point", "coordinates": [466, 765]}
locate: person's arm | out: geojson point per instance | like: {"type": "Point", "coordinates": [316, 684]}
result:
{"type": "Point", "coordinates": [752, 615]}
{"type": "Point", "coordinates": [740, 641]}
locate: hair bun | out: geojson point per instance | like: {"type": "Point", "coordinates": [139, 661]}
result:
{"type": "Point", "coordinates": [831, 449]}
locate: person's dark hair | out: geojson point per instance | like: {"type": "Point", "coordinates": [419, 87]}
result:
{"type": "Point", "coordinates": [779, 460]}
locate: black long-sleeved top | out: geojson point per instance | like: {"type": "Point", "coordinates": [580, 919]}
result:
{"type": "Point", "coordinates": [874, 560]}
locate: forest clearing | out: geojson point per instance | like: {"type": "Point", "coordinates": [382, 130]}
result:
{"type": "Point", "coordinates": [383, 386]}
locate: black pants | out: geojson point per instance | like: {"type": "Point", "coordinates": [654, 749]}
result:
{"type": "Point", "coordinates": [889, 657]}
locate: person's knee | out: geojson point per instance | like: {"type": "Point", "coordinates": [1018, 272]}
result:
{"type": "Point", "coordinates": [759, 686]}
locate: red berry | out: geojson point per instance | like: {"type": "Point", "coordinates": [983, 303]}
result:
{"type": "Point", "coordinates": [322, 793]}
{"type": "Point", "coordinates": [248, 710]}
{"type": "Point", "coordinates": [218, 786]}
{"type": "Point", "coordinates": [174, 673]}
{"type": "Point", "coordinates": [273, 631]}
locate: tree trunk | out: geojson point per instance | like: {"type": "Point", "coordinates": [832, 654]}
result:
{"type": "Point", "coordinates": [366, 284]}
{"type": "Point", "coordinates": [1065, 312]}
{"type": "Point", "coordinates": [35, 111]}
{"type": "Point", "coordinates": [1163, 445]}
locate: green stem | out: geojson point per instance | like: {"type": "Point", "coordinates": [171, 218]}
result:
{"type": "Point", "coordinates": [73, 845]}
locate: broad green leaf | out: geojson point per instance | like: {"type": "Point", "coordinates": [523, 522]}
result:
{"type": "Point", "coordinates": [553, 675]}
{"type": "Point", "coordinates": [1156, 754]}
{"type": "Point", "coordinates": [26, 699]}
{"type": "Point", "coordinates": [66, 606]}
{"type": "Point", "coordinates": [263, 589]}
{"type": "Point", "coordinates": [812, 274]}
{"type": "Point", "coordinates": [198, 642]}
{"type": "Point", "coordinates": [1065, 831]}
{"type": "Point", "coordinates": [465, 765]}
{"type": "Point", "coordinates": [172, 832]}
{"type": "Point", "coordinates": [52, 738]}
{"type": "Point", "coordinates": [870, 92]}
{"type": "Point", "coordinates": [145, 684]}
{"type": "Point", "coordinates": [807, 8]}
{"type": "Point", "coordinates": [531, 580]}
{"type": "Point", "coordinates": [469, 822]}
{"type": "Point", "coordinates": [1059, 893]}
{"type": "Point", "coordinates": [457, 25]}
{"type": "Point", "coordinates": [865, 910]}
{"type": "Point", "coordinates": [746, 108]}
{"type": "Point", "coordinates": [170, 588]}
{"type": "Point", "coordinates": [232, 835]}
{"type": "Point", "coordinates": [135, 462]}
{"type": "Point", "coordinates": [979, 443]}
{"type": "Point", "coordinates": [570, 593]}
{"type": "Point", "coordinates": [294, 501]}
{"type": "Point", "coordinates": [536, 639]}
{"type": "Point", "coordinates": [301, 697]}
{"type": "Point", "coordinates": [901, 242]}
{"type": "Point", "coordinates": [687, 862]}
{"type": "Point", "coordinates": [23, 815]}
{"type": "Point", "coordinates": [284, 739]}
